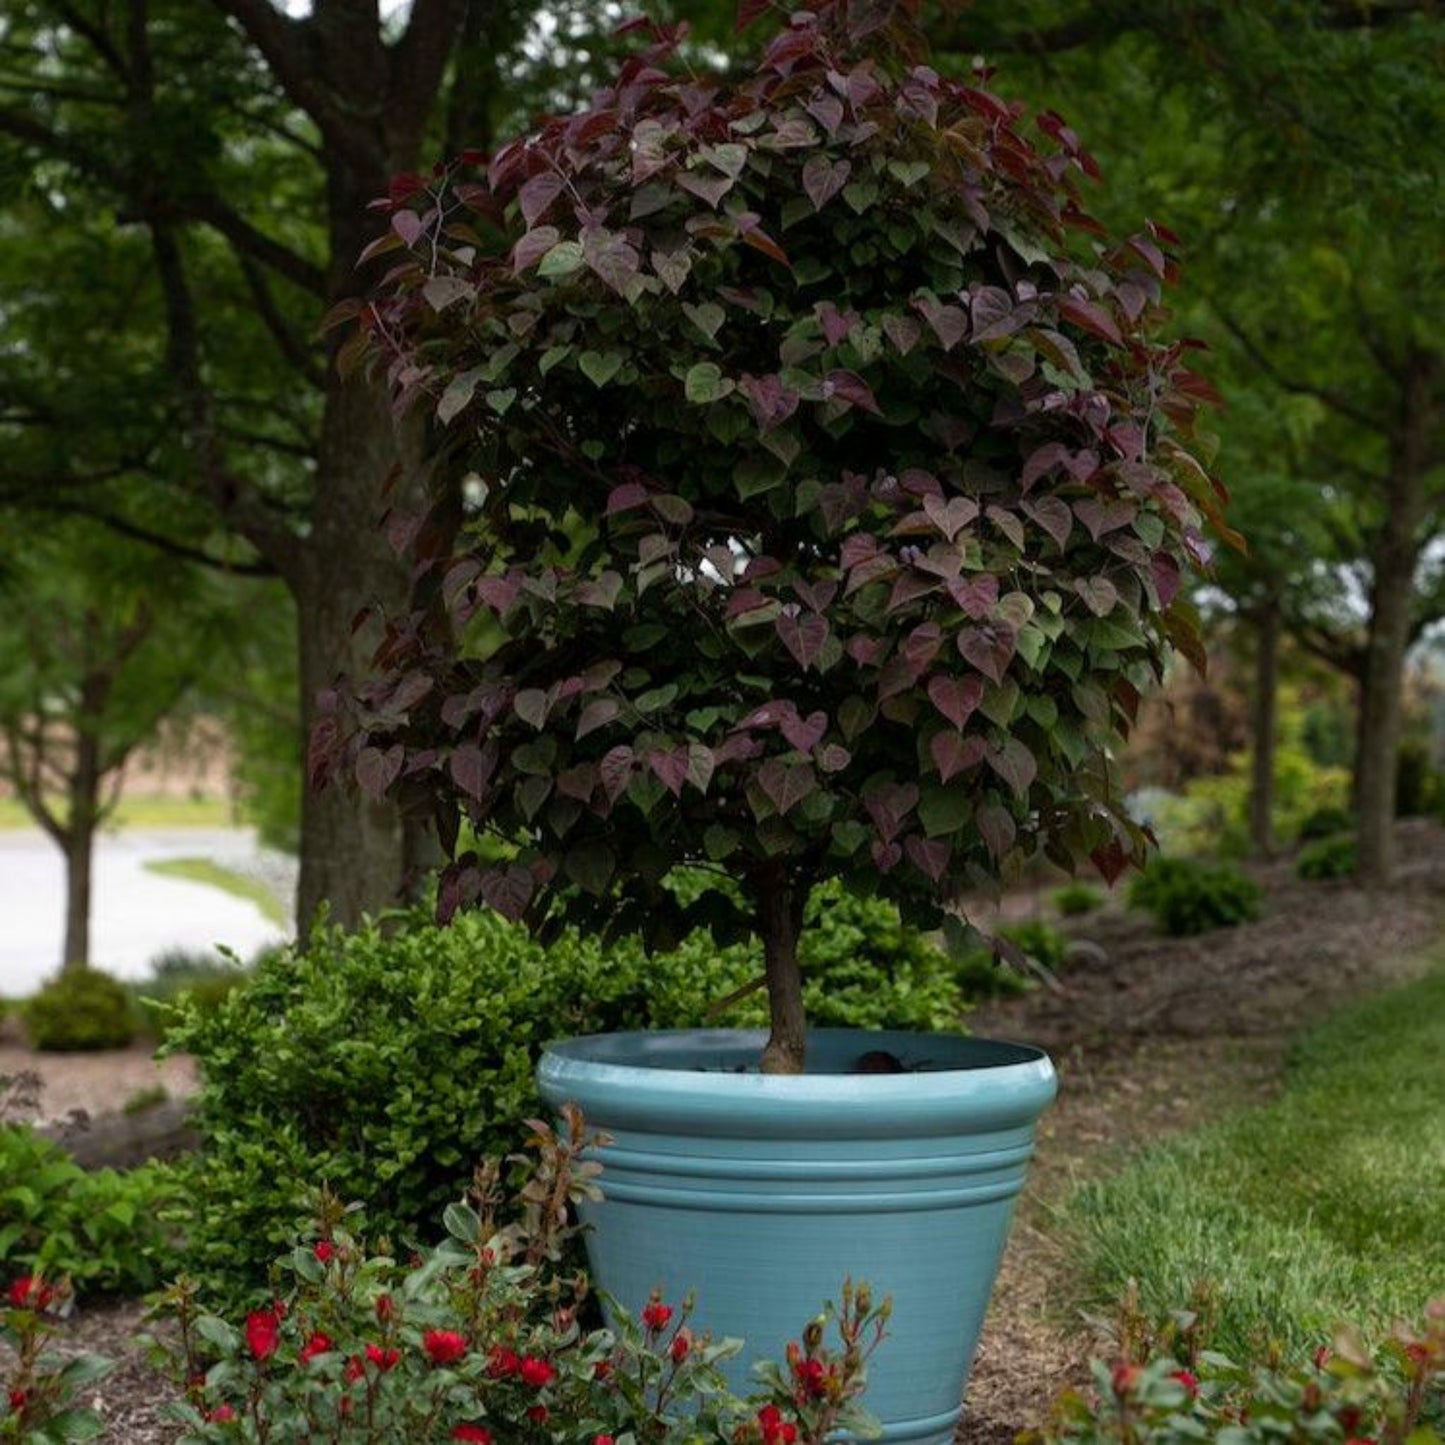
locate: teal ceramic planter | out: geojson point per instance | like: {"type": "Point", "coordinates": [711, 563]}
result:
{"type": "Point", "coordinates": [761, 1192]}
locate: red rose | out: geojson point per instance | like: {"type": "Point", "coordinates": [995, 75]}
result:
{"type": "Point", "coordinates": [655, 1315]}
{"type": "Point", "coordinates": [382, 1359]}
{"type": "Point", "coordinates": [537, 1414]}
{"type": "Point", "coordinates": [17, 1401]}
{"type": "Point", "coordinates": [603, 1440]}
{"type": "Point", "coordinates": [1189, 1380]}
{"type": "Point", "coordinates": [355, 1369]}
{"type": "Point", "coordinates": [681, 1344]}
{"type": "Point", "coordinates": [385, 1307]}
{"type": "Point", "coordinates": [325, 1251]}
{"type": "Point", "coordinates": [502, 1362]}
{"type": "Point", "coordinates": [602, 1369]}
{"type": "Point", "coordinates": [1125, 1378]}
{"type": "Point", "coordinates": [537, 1372]}
{"type": "Point", "coordinates": [263, 1333]}
{"type": "Point", "coordinates": [444, 1347]}
{"type": "Point", "coordinates": [776, 1430]}
{"type": "Point", "coordinates": [478, 1434]}
{"type": "Point", "coordinates": [30, 1293]}
{"type": "Point", "coordinates": [318, 1344]}
{"type": "Point", "coordinates": [221, 1415]}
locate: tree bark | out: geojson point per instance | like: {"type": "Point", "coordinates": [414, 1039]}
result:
{"type": "Point", "coordinates": [780, 902]}
{"type": "Point", "coordinates": [1267, 625]}
{"type": "Point", "coordinates": [1395, 556]}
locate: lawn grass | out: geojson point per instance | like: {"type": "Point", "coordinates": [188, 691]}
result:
{"type": "Point", "coordinates": [1326, 1205]}
{"type": "Point", "coordinates": [142, 813]}
{"type": "Point", "coordinates": [215, 875]}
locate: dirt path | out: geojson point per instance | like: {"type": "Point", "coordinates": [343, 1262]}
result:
{"type": "Point", "coordinates": [1153, 1037]}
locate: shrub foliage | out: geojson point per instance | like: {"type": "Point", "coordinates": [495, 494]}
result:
{"type": "Point", "coordinates": [1186, 896]}
{"type": "Point", "coordinates": [79, 1010]}
{"type": "Point", "coordinates": [386, 1065]}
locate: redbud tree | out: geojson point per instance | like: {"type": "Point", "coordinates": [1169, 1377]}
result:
{"type": "Point", "coordinates": [825, 496]}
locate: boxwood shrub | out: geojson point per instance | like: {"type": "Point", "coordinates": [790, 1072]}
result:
{"type": "Point", "coordinates": [81, 1009]}
{"type": "Point", "coordinates": [386, 1062]}
{"type": "Point", "coordinates": [1186, 896]}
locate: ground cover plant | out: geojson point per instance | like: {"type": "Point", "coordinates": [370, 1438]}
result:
{"type": "Point", "coordinates": [1319, 1207]}
{"type": "Point", "coordinates": [832, 362]}
{"type": "Point", "coordinates": [1168, 1384]}
{"type": "Point", "coordinates": [99, 1229]}
{"type": "Point", "coordinates": [1334, 857]}
{"type": "Point", "coordinates": [387, 1062]}
{"type": "Point", "coordinates": [1073, 900]}
{"type": "Point", "coordinates": [487, 1338]}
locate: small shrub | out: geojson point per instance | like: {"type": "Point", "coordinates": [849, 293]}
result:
{"type": "Point", "coordinates": [387, 1065]}
{"type": "Point", "coordinates": [80, 1010]}
{"type": "Point", "coordinates": [99, 1229]}
{"type": "Point", "coordinates": [1336, 857]}
{"type": "Point", "coordinates": [1073, 900]}
{"type": "Point", "coordinates": [144, 1100]}
{"type": "Point", "coordinates": [1043, 943]}
{"type": "Point", "coordinates": [1171, 1387]}
{"type": "Point", "coordinates": [202, 979]}
{"type": "Point", "coordinates": [480, 1340]}
{"type": "Point", "coordinates": [1189, 897]}
{"type": "Point", "coordinates": [1325, 823]}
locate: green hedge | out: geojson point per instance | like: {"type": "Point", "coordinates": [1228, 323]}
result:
{"type": "Point", "coordinates": [384, 1066]}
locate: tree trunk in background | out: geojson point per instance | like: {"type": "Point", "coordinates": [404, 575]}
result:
{"type": "Point", "coordinates": [1267, 623]}
{"type": "Point", "coordinates": [1394, 559]}
{"type": "Point", "coordinates": [780, 901]}
{"type": "Point", "coordinates": [79, 858]}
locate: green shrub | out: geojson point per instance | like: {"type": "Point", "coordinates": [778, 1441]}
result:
{"type": "Point", "coordinates": [1043, 943]}
{"type": "Point", "coordinates": [1191, 897]}
{"type": "Point", "coordinates": [386, 1065]}
{"type": "Point", "coordinates": [1336, 857]}
{"type": "Point", "coordinates": [80, 1009]}
{"type": "Point", "coordinates": [100, 1228]}
{"type": "Point", "coordinates": [1325, 822]}
{"type": "Point", "coordinates": [1075, 899]}
{"type": "Point", "coordinates": [202, 979]}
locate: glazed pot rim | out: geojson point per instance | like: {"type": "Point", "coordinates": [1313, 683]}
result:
{"type": "Point", "coordinates": [706, 1079]}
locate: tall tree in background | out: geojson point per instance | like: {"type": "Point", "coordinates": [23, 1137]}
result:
{"type": "Point", "coordinates": [231, 151]}
{"type": "Point", "coordinates": [1292, 143]}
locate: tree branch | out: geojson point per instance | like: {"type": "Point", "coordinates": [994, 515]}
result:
{"type": "Point", "coordinates": [246, 239]}
{"type": "Point", "coordinates": [1334, 400]}
{"type": "Point", "coordinates": [288, 343]}
{"type": "Point", "coordinates": [418, 62]}
{"type": "Point", "coordinates": [283, 44]}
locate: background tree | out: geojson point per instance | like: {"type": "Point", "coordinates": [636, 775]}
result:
{"type": "Point", "coordinates": [1290, 142]}
{"type": "Point", "coordinates": [93, 656]}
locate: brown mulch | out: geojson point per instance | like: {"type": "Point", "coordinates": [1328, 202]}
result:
{"type": "Point", "coordinates": [1151, 1036]}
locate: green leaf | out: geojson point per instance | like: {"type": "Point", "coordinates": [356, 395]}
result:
{"type": "Point", "coordinates": [591, 865]}
{"type": "Point", "coordinates": [462, 1222]}
{"type": "Point", "coordinates": [562, 260]}
{"type": "Point", "coordinates": [943, 810]}
{"type": "Point", "coordinates": [457, 396]}
{"type": "Point", "coordinates": [599, 367]}
{"type": "Point", "coordinates": [705, 383]}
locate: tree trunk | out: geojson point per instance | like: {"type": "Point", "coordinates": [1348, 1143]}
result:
{"type": "Point", "coordinates": [79, 853]}
{"type": "Point", "coordinates": [1267, 623]}
{"type": "Point", "coordinates": [1394, 558]}
{"type": "Point", "coordinates": [352, 849]}
{"type": "Point", "coordinates": [780, 903]}
{"type": "Point", "coordinates": [78, 832]}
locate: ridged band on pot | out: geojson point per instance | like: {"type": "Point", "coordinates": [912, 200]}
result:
{"type": "Point", "coordinates": [762, 1192]}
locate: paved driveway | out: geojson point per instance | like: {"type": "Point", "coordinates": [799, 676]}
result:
{"type": "Point", "coordinates": [136, 914]}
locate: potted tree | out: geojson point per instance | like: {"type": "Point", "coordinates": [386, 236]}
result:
{"type": "Point", "coordinates": [813, 503]}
